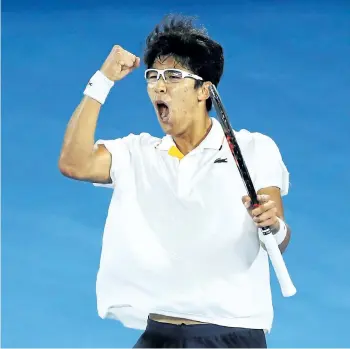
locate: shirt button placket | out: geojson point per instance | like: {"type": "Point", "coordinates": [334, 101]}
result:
{"type": "Point", "coordinates": [185, 175]}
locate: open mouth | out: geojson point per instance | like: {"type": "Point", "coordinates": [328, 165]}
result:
{"type": "Point", "coordinates": [163, 109]}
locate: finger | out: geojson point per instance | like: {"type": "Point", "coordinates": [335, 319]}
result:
{"type": "Point", "coordinates": [246, 201]}
{"type": "Point", "coordinates": [117, 53]}
{"type": "Point", "coordinates": [268, 222]}
{"type": "Point", "coordinates": [263, 208]}
{"type": "Point", "coordinates": [130, 60]}
{"type": "Point", "coordinates": [117, 48]}
{"type": "Point", "coordinates": [133, 64]}
{"type": "Point", "coordinates": [265, 216]}
{"type": "Point", "coordinates": [125, 71]}
{"type": "Point", "coordinates": [137, 62]}
{"type": "Point", "coordinates": [123, 57]}
{"type": "Point", "coordinates": [263, 198]}
{"type": "Point", "coordinates": [128, 63]}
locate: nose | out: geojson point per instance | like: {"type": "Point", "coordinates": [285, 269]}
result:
{"type": "Point", "coordinates": [160, 86]}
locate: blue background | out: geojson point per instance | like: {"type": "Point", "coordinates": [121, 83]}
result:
{"type": "Point", "coordinates": [287, 75]}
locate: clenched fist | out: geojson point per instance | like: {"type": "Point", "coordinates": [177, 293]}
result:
{"type": "Point", "coordinates": [119, 63]}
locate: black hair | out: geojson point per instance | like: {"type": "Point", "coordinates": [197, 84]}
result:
{"type": "Point", "coordinates": [176, 35]}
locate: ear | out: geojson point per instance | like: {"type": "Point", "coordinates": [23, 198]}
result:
{"type": "Point", "coordinates": [203, 91]}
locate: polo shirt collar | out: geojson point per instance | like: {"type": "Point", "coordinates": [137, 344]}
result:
{"type": "Point", "coordinates": [213, 140]}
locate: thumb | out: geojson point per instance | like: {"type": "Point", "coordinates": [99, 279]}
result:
{"type": "Point", "coordinates": [125, 71]}
{"type": "Point", "coordinates": [246, 201]}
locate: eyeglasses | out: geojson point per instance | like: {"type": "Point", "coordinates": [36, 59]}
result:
{"type": "Point", "coordinates": [169, 75]}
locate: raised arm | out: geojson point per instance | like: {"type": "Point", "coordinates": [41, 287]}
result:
{"type": "Point", "coordinates": [79, 158]}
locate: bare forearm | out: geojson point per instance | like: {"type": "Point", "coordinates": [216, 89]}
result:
{"type": "Point", "coordinates": [79, 138]}
{"type": "Point", "coordinates": [283, 245]}
{"type": "Point", "coordinates": [275, 229]}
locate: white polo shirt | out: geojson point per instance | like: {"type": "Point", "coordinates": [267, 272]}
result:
{"type": "Point", "coordinates": [178, 241]}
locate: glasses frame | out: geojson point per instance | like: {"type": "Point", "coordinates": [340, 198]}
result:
{"type": "Point", "coordinates": [161, 73]}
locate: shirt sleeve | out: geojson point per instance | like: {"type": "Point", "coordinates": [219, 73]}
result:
{"type": "Point", "coordinates": [270, 170]}
{"type": "Point", "coordinates": [120, 150]}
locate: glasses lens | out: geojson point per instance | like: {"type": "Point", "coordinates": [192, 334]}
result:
{"type": "Point", "coordinates": [151, 75]}
{"type": "Point", "coordinates": [173, 75]}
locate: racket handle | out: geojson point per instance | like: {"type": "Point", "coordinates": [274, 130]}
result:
{"type": "Point", "coordinates": [279, 266]}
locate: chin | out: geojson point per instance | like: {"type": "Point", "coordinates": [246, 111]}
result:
{"type": "Point", "coordinates": [167, 128]}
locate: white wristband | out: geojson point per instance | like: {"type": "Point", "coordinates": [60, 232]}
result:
{"type": "Point", "coordinates": [282, 232]}
{"type": "Point", "coordinates": [98, 87]}
{"type": "Point", "coordinates": [280, 235]}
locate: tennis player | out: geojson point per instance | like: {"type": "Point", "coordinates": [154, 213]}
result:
{"type": "Point", "coordinates": [182, 258]}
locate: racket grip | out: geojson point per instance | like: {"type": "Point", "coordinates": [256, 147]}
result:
{"type": "Point", "coordinates": [279, 266]}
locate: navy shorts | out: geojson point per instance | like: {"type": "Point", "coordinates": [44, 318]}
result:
{"type": "Point", "coordinates": [164, 335]}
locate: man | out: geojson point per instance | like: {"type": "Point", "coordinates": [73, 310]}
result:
{"type": "Point", "coordinates": [181, 250]}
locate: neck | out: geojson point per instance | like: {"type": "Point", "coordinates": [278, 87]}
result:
{"type": "Point", "coordinates": [189, 140]}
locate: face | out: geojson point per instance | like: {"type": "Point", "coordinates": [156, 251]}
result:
{"type": "Point", "coordinates": [184, 103]}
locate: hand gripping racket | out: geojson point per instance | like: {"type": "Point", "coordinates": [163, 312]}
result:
{"type": "Point", "coordinates": [270, 243]}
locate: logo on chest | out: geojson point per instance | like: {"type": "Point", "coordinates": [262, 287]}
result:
{"type": "Point", "coordinates": [220, 160]}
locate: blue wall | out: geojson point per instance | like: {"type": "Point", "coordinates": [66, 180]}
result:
{"type": "Point", "coordinates": [287, 75]}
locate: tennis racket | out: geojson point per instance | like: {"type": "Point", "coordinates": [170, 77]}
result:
{"type": "Point", "coordinates": [269, 241]}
